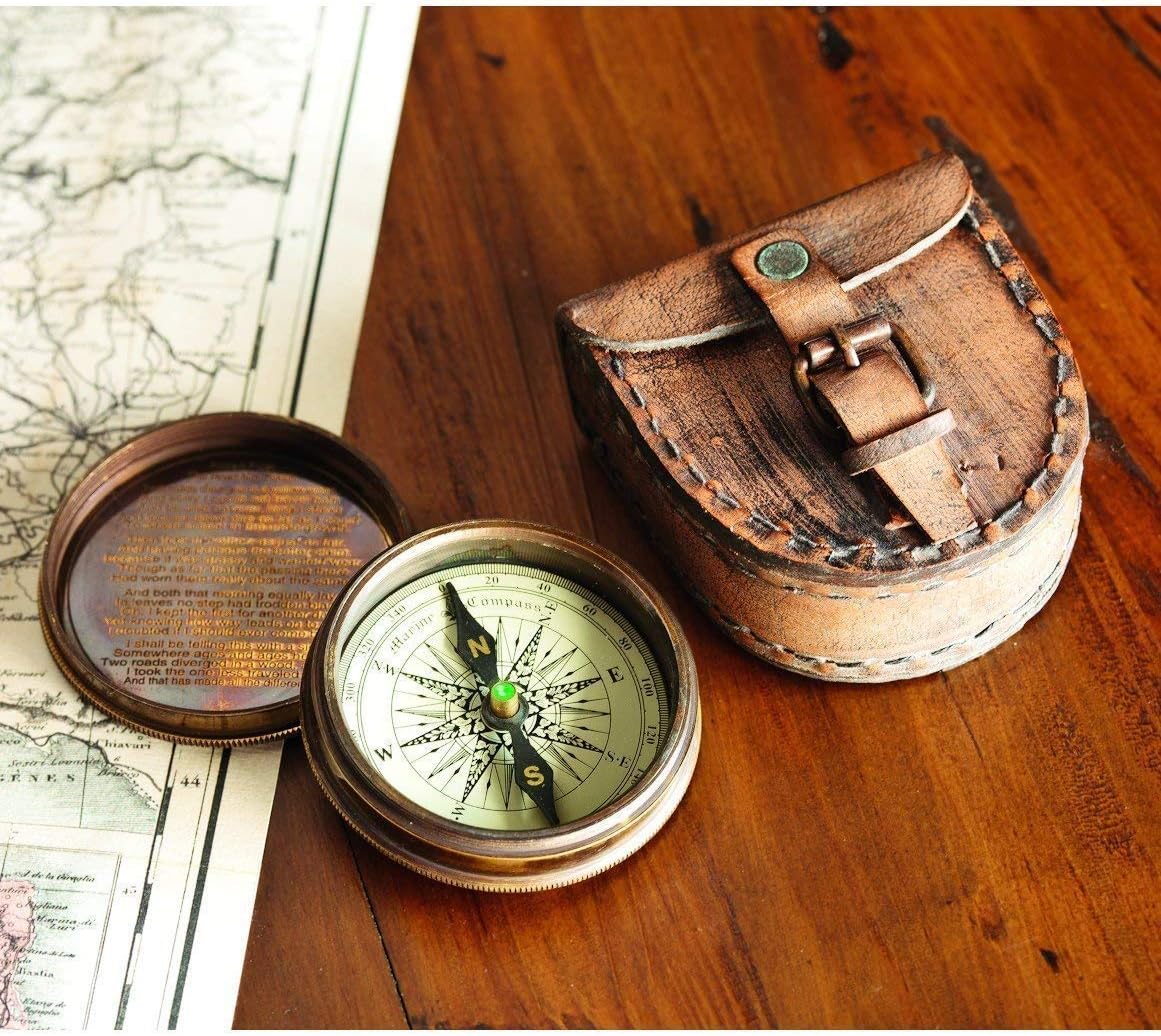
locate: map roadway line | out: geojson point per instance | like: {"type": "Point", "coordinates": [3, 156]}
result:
{"type": "Point", "coordinates": [85, 776]}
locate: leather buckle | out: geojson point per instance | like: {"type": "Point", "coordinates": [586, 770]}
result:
{"type": "Point", "coordinates": [845, 343]}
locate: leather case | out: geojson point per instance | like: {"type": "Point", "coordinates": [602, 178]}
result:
{"type": "Point", "coordinates": [856, 432]}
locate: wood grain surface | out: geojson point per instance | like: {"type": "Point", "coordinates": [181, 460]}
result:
{"type": "Point", "coordinates": [975, 848]}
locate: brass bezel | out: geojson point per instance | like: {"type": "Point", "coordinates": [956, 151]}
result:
{"type": "Point", "coordinates": [476, 857]}
{"type": "Point", "coordinates": [264, 439]}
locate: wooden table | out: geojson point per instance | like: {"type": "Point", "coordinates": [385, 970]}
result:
{"type": "Point", "coordinates": [975, 848]}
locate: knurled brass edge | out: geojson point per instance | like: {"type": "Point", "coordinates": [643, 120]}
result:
{"type": "Point", "coordinates": [651, 825]}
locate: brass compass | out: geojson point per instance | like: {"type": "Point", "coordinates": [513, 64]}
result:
{"type": "Point", "coordinates": [501, 706]}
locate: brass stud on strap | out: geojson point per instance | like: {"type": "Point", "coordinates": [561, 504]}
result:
{"type": "Point", "coordinates": [782, 260]}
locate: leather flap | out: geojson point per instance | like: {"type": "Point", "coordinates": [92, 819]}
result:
{"type": "Point", "coordinates": [723, 430]}
{"type": "Point", "coordinates": [859, 234]}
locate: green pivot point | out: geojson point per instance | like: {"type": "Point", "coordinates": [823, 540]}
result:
{"type": "Point", "coordinates": [504, 699]}
{"type": "Point", "coordinates": [503, 691]}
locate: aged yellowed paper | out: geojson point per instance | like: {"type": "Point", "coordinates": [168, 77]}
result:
{"type": "Point", "coordinates": [182, 189]}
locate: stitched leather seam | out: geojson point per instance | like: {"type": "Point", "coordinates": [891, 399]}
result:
{"type": "Point", "coordinates": [819, 663]}
{"type": "Point", "coordinates": [1026, 609]}
{"type": "Point", "coordinates": [735, 563]}
{"type": "Point", "coordinates": [1029, 607]}
{"type": "Point", "coordinates": [1028, 297]}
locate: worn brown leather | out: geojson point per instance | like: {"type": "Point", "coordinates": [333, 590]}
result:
{"type": "Point", "coordinates": [704, 299]}
{"type": "Point", "coordinates": [682, 377]}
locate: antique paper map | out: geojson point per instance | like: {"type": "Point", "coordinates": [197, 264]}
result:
{"type": "Point", "coordinates": [189, 212]}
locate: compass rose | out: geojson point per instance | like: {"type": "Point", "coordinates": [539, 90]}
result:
{"type": "Point", "coordinates": [462, 741]}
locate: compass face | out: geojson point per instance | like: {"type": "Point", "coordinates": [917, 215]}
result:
{"type": "Point", "coordinates": [592, 704]}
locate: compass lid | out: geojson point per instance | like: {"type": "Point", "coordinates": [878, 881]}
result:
{"type": "Point", "coordinates": [185, 576]}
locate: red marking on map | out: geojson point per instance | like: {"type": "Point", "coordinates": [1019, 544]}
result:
{"type": "Point", "coordinates": [16, 929]}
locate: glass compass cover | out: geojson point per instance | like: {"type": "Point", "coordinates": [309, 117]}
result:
{"type": "Point", "coordinates": [502, 696]}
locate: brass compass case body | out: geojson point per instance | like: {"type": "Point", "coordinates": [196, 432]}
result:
{"type": "Point", "coordinates": [502, 706]}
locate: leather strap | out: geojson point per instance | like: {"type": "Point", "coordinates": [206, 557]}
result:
{"type": "Point", "coordinates": [807, 306]}
{"type": "Point", "coordinates": [859, 459]}
{"type": "Point", "coordinates": [877, 402]}
{"type": "Point", "coordinates": [879, 398]}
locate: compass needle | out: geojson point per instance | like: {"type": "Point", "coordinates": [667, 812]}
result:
{"type": "Point", "coordinates": [474, 644]}
{"type": "Point", "coordinates": [533, 774]}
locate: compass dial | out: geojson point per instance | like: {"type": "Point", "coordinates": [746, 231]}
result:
{"type": "Point", "coordinates": [501, 705]}
{"type": "Point", "coordinates": [439, 684]}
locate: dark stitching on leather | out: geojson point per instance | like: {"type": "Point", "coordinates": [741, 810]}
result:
{"type": "Point", "coordinates": [812, 662]}
{"type": "Point", "coordinates": [1027, 608]}
{"type": "Point", "coordinates": [602, 452]}
{"type": "Point", "coordinates": [1019, 290]}
{"type": "Point", "coordinates": [1046, 329]}
{"type": "Point", "coordinates": [842, 554]}
{"type": "Point", "coordinates": [1025, 294]}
